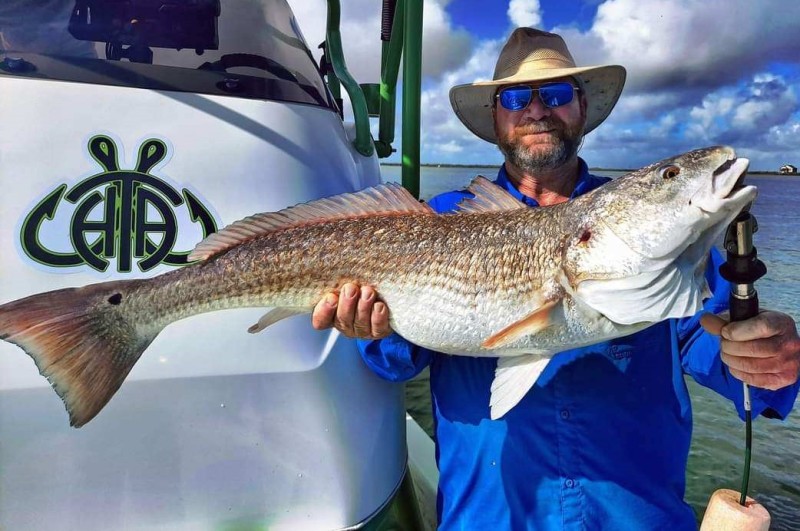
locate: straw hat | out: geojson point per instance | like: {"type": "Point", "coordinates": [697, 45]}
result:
{"type": "Point", "coordinates": [532, 55]}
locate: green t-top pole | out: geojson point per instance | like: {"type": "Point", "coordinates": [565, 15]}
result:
{"type": "Point", "coordinates": [412, 81]}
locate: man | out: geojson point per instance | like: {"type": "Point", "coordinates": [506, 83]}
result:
{"type": "Point", "coordinates": [601, 441]}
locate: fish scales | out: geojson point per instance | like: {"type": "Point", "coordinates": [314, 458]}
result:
{"type": "Point", "coordinates": [461, 257]}
{"type": "Point", "coordinates": [498, 279]}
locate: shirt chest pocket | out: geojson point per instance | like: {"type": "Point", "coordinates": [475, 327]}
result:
{"type": "Point", "coordinates": [620, 354]}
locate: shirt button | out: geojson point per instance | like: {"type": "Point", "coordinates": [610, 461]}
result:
{"type": "Point", "coordinates": [569, 483]}
{"type": "Point", "coordinates": [564, 414]}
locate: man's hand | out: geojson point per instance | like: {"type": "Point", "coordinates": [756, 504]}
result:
{"type": "Point", "coordinates": [354, 312]}
{"type": "Point", "coordinates": [763, 351]}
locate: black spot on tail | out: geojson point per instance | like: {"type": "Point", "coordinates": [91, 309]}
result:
{"type": "Point", "coordinates": [115, 299]}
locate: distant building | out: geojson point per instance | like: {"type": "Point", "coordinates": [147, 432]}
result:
{"type": "Point", "coordinates": [788, 168]}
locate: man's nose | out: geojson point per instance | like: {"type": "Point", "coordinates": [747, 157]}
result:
{"type": "Point", "coordinates": [536, 110]}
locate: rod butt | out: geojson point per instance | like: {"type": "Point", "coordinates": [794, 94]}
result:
{"type": "Point", "coordinates": [724, 513]}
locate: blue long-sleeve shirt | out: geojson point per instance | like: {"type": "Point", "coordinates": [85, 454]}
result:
{"type": "Point", "coordinates": [602, 439]}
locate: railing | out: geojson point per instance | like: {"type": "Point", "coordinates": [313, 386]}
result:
{"type": "Point", "coordinates": [402, 39]}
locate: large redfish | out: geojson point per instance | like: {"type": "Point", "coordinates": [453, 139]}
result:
{"type": "Point", "coordinates": [495, 279]}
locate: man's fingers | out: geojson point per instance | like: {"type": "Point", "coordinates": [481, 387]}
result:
{"type": "Point", "coordinates": [363, 321]}
{"type": "Point", "coordinates": [325, 312]}
{"type": "Point", "coordinates": [355, 312]}
{"type": "Point", "coordinates": [762, 351]}
{"type": "Point", "coordinates": [754, 365]}
{"type": "Point", "coordinates": [380, 321]}
{"type": "Point", "coordinates": [765, 324]}
{"type": "Point", "coordinates": [346, 311]}
{"type": "Point", "coordinates": [770, 381]}
{"type": "Point", "coordinates": [757, 337]}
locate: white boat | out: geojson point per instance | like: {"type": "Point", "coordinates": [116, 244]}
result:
{"type": "Point", "coordinates": [130, 130]}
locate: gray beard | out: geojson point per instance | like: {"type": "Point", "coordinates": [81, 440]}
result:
{"type": "Point", "coordinates": [528, 162]}
{"type": "Point", "coordinates": [522, 158]}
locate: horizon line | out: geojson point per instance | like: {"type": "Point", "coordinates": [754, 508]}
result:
{"type": "Point", "coordinates": [449, 165]}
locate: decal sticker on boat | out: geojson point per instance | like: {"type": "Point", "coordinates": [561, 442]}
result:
{"type": "Point", "coordinates": [123, 217]}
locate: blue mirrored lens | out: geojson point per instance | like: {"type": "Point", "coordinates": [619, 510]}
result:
{"type": "Point", "coordinates": [556, 94]}
{"type": "Point", "coordinates": [515, 98]}
{"type": "Point", "coordinates": [551, 95]}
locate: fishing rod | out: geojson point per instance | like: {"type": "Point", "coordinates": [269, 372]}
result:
{"type": "Point", "coordinates": [742, 269]}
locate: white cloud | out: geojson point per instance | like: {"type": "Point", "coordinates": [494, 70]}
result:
{"type": "Point", "coordinates": [525, 13]}
{"type": "Point", "coordinates": [769, 103]}
{"type": "Point", "coordinates": [698, 73]}
{"type": "Point", "coordinates": [440, 125]}
{"type": "Point", "coordinates": [689, 42]}
{"type": "Point", "coordinates": [749, 112]}
{"type": "Point", "coordinates": [450, 147]}
{"type": "Point", "coordinates": [444, 46]}
{"type": "Point", "coordinates": [786, 138]}
{"type": "Point", "coordinates": [664, 127]}
{"type": "Point", "coordinates": [644, 106]}
{"type": "Point", "coordinates": [714, 106]}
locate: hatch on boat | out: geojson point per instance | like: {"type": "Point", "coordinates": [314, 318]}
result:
{"type": "Point", "coordinates": [132, 129]}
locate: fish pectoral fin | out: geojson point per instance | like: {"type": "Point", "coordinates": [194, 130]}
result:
{"type": "Point", "coordinates": [532, 323]}
{"type": "Point", "coordinates": [513, 378]}
{"type": "Point", "coordinates": [273, 316]}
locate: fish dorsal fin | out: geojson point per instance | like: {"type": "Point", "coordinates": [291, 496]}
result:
{"type": "Point", "coordinates": [387, 199]}
{"type": "Point", "coordinates": [488, 198]}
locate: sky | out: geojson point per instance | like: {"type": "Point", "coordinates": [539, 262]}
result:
{"type": "Point", "coordinates": [699, 72]}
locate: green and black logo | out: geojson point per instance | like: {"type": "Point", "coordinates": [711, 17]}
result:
{"type": "Point", "coordinates": [124, 232]}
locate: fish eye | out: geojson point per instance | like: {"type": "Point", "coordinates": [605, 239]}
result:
{"type": "Point", "coordinates": [670, 172]}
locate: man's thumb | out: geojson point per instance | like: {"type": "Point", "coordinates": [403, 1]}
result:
{"type": "Point", "coordinates": [712, 323]}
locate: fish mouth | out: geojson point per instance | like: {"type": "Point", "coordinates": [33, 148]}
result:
{"type": "Point", "coordinates": [728, 189]}
{"type": "Point", "coordinates": [725, 173]}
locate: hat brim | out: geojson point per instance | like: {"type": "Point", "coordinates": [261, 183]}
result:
{"type": "Point", "coordinates": [473, 102]}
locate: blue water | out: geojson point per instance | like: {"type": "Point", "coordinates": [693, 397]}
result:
{"type": "Point", "coordinates": [717, 452]}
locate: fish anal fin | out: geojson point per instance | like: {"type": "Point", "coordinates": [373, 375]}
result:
{"type": "Point", "coordinates": [532, 323]}
{"type": "Point", "coordinates": [488, 198]}
{"type": "Point", "coordinates": [513, 378]}
{"type": "Point", "coordinates": [275, 315]}
{"type": "Point", "coordinates": [384, 199]}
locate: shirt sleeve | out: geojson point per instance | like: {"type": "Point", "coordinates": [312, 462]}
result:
{"type": "Point", "coordinates": [700, 357]}
{"type": "Point", "coordinates": [394, 358]}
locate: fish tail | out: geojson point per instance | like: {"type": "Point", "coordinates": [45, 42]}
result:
{"type": "Point", "coordinates": [81, 339]}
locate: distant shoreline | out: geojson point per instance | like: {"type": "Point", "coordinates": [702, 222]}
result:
{"type": "Point", "coordinates": [752, 172]}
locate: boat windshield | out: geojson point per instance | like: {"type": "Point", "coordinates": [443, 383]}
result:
{"type": "Point", "coordinates": [241, 48]}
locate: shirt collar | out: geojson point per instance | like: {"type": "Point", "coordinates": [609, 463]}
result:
{"type": "Point", "coordinates": [586, 182]}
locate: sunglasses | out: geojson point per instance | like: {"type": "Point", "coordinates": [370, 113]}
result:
{"type": "Point", "coordinates": [518, 97]}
